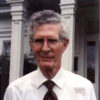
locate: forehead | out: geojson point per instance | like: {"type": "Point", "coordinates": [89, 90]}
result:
{"type": "Point", "coordinates": [46, 30]}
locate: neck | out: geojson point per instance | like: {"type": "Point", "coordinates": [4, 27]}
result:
{"type": "Point", "coordinates": [49, 73]}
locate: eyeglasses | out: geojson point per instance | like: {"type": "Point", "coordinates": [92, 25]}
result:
{"type": "Point", "coordinates": [52, 43]}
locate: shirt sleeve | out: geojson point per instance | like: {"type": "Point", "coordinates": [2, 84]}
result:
{"type": "Point", "coordinates": [10, 94]}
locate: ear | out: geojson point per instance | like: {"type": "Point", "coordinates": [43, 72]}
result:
{"type": "Point", "coordinates": [65, 44]}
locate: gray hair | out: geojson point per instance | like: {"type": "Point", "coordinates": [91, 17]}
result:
{"type": "Point", "coordinates": [44, 17]}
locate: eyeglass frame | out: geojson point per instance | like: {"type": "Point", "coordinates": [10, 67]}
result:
{"type": "Point", "coordinates": [50, 42]}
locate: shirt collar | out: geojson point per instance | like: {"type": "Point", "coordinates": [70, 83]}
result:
{"type": "Point", "coordinates": [57, 79]}
{"type": "Point", "coordinates": [40, 79]}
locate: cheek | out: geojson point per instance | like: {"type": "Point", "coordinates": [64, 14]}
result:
{"type": "Point", "coordinates": [58, 54]}
{"type": "Point", "coordinates": [35, 52]}
{"type": "Point", "coordinates": [34, 49]}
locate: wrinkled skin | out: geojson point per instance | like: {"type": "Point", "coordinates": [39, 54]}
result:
{"type": "Point", "coordinates": [49, 60]}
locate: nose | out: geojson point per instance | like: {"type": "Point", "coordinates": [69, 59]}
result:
{"type": "Point", "coordinates": [45, 46]}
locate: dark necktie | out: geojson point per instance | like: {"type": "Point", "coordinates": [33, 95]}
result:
{"type": "Point", "coordinates": [50, 95]}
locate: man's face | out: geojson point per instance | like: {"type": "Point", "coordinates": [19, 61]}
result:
{"type": "Point", "coordinates": [48, 47]}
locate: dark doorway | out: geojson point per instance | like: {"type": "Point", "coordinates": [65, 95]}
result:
{"type": "Point", "coordinates": [4, 74]}
{"type": "Point", "coordinates": [38, 5]}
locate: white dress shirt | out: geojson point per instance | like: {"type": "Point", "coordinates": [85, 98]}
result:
{"type": "Point", "coordinates": [68, 86]}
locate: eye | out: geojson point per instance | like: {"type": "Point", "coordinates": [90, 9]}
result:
{"type": "Point", "coordinates": [52, 40]}
{"type": "Point", "coordinates": [38, 40]}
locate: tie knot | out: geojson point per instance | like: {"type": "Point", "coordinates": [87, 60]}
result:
{"type": "Point", "coordinates": [49, 84]}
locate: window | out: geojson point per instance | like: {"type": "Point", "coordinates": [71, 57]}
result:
{"type": "Point", "coordinates": [91, 50]}
{"type": "Point", "coordinates": [4, 67]}
{"type": "Point", "coordinates": [2, 2]}
{"type": "Point", "coordinates": [75, 64]}
{"type": "Point", "coordinates": [7, 46]}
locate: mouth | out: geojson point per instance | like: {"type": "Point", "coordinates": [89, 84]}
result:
{"type": "Point", "coordinates": [46, 58]}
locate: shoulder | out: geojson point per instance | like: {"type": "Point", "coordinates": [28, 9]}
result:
{"type": "Point", "coordinates": [20, 86]}
{"type": "Point", "coordinates": [78, 85]}
{"type": "Point", "coordinates": [23, 82]}
{"type": "Point", "coordinates": [75, 80]}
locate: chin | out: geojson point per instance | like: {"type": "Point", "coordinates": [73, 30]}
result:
{"type": "Point", "coordinates": [47, 65]}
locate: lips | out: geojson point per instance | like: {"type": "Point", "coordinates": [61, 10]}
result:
{"type": "Point", "coordinates": [46, 58]}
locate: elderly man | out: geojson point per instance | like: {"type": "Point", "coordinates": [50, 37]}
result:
{"type": "Point", "coordinates": [48, 41]}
